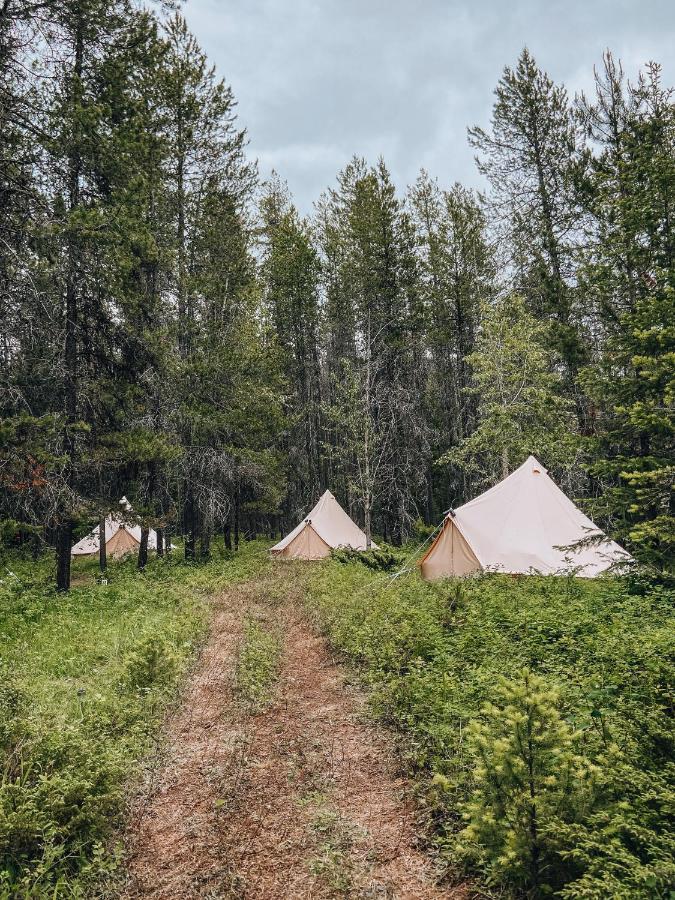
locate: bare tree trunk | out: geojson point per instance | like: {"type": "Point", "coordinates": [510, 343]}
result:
{"type": "Point", "coordinates": [143, 548]}
{"type": "Point", "coordinates": [367, 512]}
{"type": "Point", "coordinates": [102, 549]}
{"type": "Point", "coordinates": [227, 535]}
{"type": "Point", "coordinates": [205, 543]}
{"type": "Point", "coordinates": [190, 530]}
{"type": "Point", "coordinates": [160, 542]}
{"type": "Point", "coordinates": [64, 540]}
{"type": "Point", "coordinates": [236, 521]}
{"type": "Point", "coordinates": [64, 532]}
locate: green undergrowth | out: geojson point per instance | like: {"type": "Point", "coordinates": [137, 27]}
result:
{"type": "Point", "coordinates": [257, 664]}
{"type": "Point", "coordinates": [537, 713]}
{"type": "Point", "coordinates": [84, 681]}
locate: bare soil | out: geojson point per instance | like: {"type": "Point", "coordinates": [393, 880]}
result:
{"type": "Point", "coordinates": [301, 800]}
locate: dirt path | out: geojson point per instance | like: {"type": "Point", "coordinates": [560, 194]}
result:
{"type": "Point", "coordinates": [302, 800]}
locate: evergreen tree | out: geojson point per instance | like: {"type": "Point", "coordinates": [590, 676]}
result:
{"type": "Point", "coordinates": [457, 276]}
{"type": "Point", "coordinates": [373, 319]}
{"type": "Point", "coordinates": [527, 157]}
{"type": "Point", "coordinates": [290, 276]}
{"type": "Point", "coordinates": [628, 187]}
{"type": "Point", "coordinates": [517, 390]}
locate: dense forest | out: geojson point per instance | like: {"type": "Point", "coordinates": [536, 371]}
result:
{"type": "Point", "coordinates": [174, 330]}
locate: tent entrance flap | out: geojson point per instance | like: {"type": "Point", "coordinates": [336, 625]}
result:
{"type": "Point", "coordinates": [121, 543]}
{"type": "Point", "coordinates": [306, 545]}
{"type": "Point", "coordinates": [449, 555]}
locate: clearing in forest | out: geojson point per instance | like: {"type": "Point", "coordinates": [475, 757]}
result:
{"type": "Point", "coordinates": [273, 783]}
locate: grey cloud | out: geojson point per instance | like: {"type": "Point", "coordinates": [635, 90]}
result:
{"type": "Point", "coordinates": [320, 80]}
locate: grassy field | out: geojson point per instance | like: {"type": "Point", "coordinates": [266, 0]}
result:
{"type": "Point", "coordinates": [84, 681]}
{"type": "Point", "coordinates": [538, 713]}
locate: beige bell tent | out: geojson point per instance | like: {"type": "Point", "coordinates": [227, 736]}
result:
{"type": "Point", "coordinates": [326, 527]}
{"type": "Point", "coordinates": [121, 537]}
{"type": "Point", "coordinates": [519, 526]}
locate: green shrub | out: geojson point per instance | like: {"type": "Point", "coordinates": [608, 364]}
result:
{"type": "Point", "coordinates": [384, 559]}
{"type": "Point", "coordinates": [84, 680]}
{"type": "Point", "coordinates": [601, 651]}
{"type": "Point", "coordinates": [528, 776]}
{"type": "Point", "coordinates": [151, 664]}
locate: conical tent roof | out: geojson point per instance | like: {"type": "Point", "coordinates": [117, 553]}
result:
{"type": "Point", "coordinates": [121, 536]}
{"type": "Point", "coordinates": [325, 528]}
{"type": "Point", "coordinates": [518, 527]}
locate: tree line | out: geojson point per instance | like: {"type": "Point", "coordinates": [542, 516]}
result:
{"type": "Point", "coordinates": [174, 330]}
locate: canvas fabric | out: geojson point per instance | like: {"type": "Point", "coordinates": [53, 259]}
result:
{"type": "Point", "coordinates": [325, 528]}
{"type": "Point", "coordinates": [121, 537]}
{"type": "Point", "coordinates": [520, 526]}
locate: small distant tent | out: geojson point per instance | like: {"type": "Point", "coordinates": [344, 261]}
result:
{"type": "Point", "coordinates": [518, 527]}
{"type": "Point", "coordinates": [326, 527]}
{"type": "Point", "coordinates": [121, 537]}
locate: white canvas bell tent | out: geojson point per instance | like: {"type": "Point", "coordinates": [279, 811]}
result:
{"type": "Point", "coordinates": [122, 536]}
{"type": "Point", "coordinates": [325, 528]}
{"type": "Point", "coordinates": [519, 527]}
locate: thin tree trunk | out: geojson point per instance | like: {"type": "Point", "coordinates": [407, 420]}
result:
{"type": "Point", "coordinates": [189, 516]}
{"type": "Point", "coordinates": [160, 542]}
{"type": "Point", "coordinates": [102, 548]}
{"type": "Point", "coordinates": [143, 548]}
{"type": "Point", "coordinates": [227, 535]}
{"type": "Point", "coordinates": [65, 529]}
{"type": "Point", "coordinates": [367, 525]}
{"type": "Point", "coordinates": [366, 441]}
{"type": "Point", "coordinates": [236, 522]}
{"type": "Point", "coordinates": [64, 540]}
{"type": "Point", "coordinates": [205, 543]}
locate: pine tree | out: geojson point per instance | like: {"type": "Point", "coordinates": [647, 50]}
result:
{"type": "Point", "coordinates": [528, 776]}
{"type": "Point", "coordinates": [208, 176]}
{"type": "Point", "coordinates": [627, 274]}
{"type": "Point", "coordinates": [373, 318]}
{"type": "Point", "coordinates": [517, 389]}
{"type": "Point", "coordinates": [290, 274]}
{"type": "Point", "coordinates": [528, 157]}
{"type": "Point", "coordinates": [457, 276]}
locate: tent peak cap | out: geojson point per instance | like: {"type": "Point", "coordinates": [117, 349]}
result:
{"type": "Point", "coordinates": [535, 464]}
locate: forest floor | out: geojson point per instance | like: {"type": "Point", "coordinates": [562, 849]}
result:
{"type": "Point", "coordinates": [273, 783]}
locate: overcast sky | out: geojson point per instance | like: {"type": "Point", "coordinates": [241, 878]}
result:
{"type": "Point", "coordinates": [320, 80]}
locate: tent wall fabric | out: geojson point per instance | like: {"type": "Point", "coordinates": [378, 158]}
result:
{"type": "Point", "coordinates": [325, 528]}
{"type": "Point", "coordinates": [452, 556]}
{"type": "Point", "coordinates": [121, 537]}
{"type": "Point", "coordinates": [307, 545]}
{"type": "Point", "coordinates": [520, 526]}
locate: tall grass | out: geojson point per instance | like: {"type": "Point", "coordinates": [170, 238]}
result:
{"type": "Point", "coordinates": [84, 681]}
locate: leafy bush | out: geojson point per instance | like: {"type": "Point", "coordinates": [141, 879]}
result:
{"type": "Point", "coordinates": [84, 680]}
{"type": "Point", "coordinates": [445, 662]}
{"type": "Point", "coordinates": [384, 559]}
